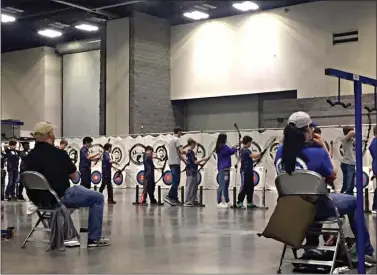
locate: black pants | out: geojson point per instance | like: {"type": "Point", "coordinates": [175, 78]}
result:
{"type": "Point", "coordinates": [20, 189]}
{"type": "Point", "coordinates": [3, 173]}
{"type": "Point", "coordinates": [148, 189]}
{"type": "Point", "coordinates": [106, 182]}
{"type": "Point", "coordinates": [86, 178]}
{"type": "Point", "coordinates": [247, 188]}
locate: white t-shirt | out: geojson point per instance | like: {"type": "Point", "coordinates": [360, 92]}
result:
{"type": "Point", "coordinates": [348, 151]}
{"type": "Point", "coordinates": [174, 154]}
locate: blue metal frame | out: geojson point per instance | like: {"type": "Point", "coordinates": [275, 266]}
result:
{"type": "Point", "coordinates": [358, 80]}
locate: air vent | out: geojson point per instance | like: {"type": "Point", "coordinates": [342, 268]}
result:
{"type": "Point", "coordinates": [345, 37]}
{"type": "Point", "coordinates": [96, 19]}
{"type": "Point", "coordinates": [11, 10]}
{"type": "Point", "coordinates": [59, 25]}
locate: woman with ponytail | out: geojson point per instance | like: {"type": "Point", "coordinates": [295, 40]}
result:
{"type": "Point", "coordinates": [303, 149]}
{"type": "Point", "coordinates": [224, 153]}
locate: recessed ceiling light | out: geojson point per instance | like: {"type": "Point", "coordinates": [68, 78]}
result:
{"type": "Point", "coordinates": [196, 15]}
{"type": "Point", "coordinates": [7, 18]}
{"type": "Point", "coordinates": [246, 6]}
{"type": "Point", "coordinates": [87, 27]}
{"type": "Point", "coordinates": [49, 33]}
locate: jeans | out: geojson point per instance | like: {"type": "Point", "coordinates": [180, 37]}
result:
{"type": "Point", "coordinates": [223, 189]}
{"type": "Point", "coordinates": [176, 178]}
{"type": "Point", "coordinates": [346, 205]}
{"type": "Point", "coordinates": [348, 171]}
{"type": "Point", "coordinates": [12, 182]}
{"type": "Point", "coordinates": [79, 196]}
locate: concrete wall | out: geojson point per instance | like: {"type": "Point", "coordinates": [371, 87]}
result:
{"type": "Point", "coordinates": [31, 87]}
{"type": "Point", "coordinates": [150, 105]}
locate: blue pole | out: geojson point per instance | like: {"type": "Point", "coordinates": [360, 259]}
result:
{"type": "Point", "coordinates": [360, 239]}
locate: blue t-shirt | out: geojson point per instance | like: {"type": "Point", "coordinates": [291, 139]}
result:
{"type": "Point", "coordinates": [191, 167]}
{"type": "Point", "coordinates": [373, 152]}
{"type": "Point", "coordinates": [106, 165]}
{"type": "Point", "coordinates": [148, 167]}
{"type": "Point", "coordinates": [85, 163]}
{"type": "Point", "coordinates": [246, 161]}
{"type": "Point", "coordinates": [316, 160]}
{"type": "Point", "coordinates": [12, 157]}
{"type": "Point", "coordinates": [224, 160]}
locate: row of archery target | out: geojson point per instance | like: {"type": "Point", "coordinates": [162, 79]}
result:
{"type": "Point", "coordinates": [167, 178]}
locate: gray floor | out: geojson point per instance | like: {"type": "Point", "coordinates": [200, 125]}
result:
{"type": "Point", "coordinates": [155, 240]}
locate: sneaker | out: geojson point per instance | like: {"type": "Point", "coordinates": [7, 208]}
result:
{"type": "Point", "coordinates": [111, 202]}
{"type": "Point", "coordinates": [13, 198]}
{"type": "Point", "coordinates": [154, 202]}
{"type": "Point", "coordinates": [240, 205]}
{"type": "Point", "coordinates": [371, 259]}
{"type": "Point", "coordinates": [170, 201]}
{"type": "Point", "coordinates": [178, 202]}
{"type": "Point", "coordinates": [99, 243]}
{"type": "Point", "coordinates": [188, 204]}
{"type": "Point", "coordinates": [220, 205]}
{"type": "Point", "coordinates": [251, 205]}
{"type": "Point", "coordinates": [31, 208]}
{"type": "Point", "coordinates": [374, 211]}
{"type": "Point", "coordinates": [226, 205]}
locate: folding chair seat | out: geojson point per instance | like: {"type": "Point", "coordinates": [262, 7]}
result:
{"type": "Point", "coordinates": [310, 185]}
{"type": "Point", "coordinates": [45, 211]}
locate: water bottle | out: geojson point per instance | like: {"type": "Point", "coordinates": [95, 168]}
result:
{"type": "Point", "coordinates": [83, 237]}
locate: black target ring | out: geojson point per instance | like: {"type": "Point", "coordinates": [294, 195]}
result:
{"type": "Point", "coordinates": [72, 153]}
{"type": "Point", "coordinates": [162, 154]}
{"type": "Point", "coordinates": [273, 149]}
{"type": "Point", "coordinates": [136, 154]}
{"type": "Point", "coordinates": [117, 154]}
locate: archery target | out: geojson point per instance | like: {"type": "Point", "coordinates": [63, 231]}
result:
{"type": "Point", "coordinates": [161, 154]}
{"type": "Point", "coordinates": [136, 153]}
{"type": "Point", "coordinates": [365, 179]}
{"type": "Point", "coordinates": [200, 151]}
{"type": "Point", "coordinates": [140, 177]}
{"type": "Point", "coordinates": [256, 178]}
{"type": "Point", "coordinates": [73, 151]}
{"type": "Point", "coordinates": [118, 178]}
{"type": "Point", "coordinates": [78, 179]}
{"type": "Point", "coordinates": [167, 178]}
{"type": "Point", "coordinates": [273, 148]}
{"type": "Point", "coordinates": [96, 177]}
{"type": "Point", "coordinates": [96, 148]}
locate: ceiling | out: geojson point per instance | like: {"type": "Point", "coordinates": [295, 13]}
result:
{"type": "Point", "coordinates": [33, 15]}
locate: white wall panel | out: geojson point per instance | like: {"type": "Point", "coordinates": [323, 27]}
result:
{"type": "Point", "coordinates": [118, 79]}
{"type": "Point", "coordinates": [81, 72]}
{"type": "Point", "coordinates": [31, 87]}
{"type": "Point", "coordinates": [273, 51]}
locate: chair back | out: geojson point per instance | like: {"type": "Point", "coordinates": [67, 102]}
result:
{"type": "Point", "coordinates": [301, 183]}
{"type": "Point", "coordinates": [36, 181]}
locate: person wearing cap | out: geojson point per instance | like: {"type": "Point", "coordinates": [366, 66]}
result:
{"type": "Point", "coordinates": [58, 169]}
{"type": "Point", "coordinates": [298, 152]}
{"type": "Point", "coordinates": [348, 163]}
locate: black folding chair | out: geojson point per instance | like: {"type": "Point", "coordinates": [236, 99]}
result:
{"type": "Point", "coordinates": [312, 186]}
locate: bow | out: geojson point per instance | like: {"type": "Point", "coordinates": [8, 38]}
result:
{"type": "Point", "coordinates": [209, 157]}
{"type": "Point", "coordinates": [266, 148]}
{"type": "Point", "coordinates": [239, 144]}
{"type": "Point", "coordinates": [369, 111]}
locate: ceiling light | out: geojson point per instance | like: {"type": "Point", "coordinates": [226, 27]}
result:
{"type": "Point", "coordinates": [7, 18]}
{"type": "Point", "coordinates": [87, 27]}
{"type": "Point", "coordinates": [49, 33]}
{"type": "Point", "coordinates": [246, 6]}
{"type": "Point", "coordinates": [196, 15]}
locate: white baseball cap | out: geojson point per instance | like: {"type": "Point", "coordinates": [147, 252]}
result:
{"type": "Point", "coordinates": [301, 120]}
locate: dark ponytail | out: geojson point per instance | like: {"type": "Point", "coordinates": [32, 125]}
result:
{"type": "Point", "coordinates": [221, 140]}
{"type": "Point", "coordinates": [294, 142]}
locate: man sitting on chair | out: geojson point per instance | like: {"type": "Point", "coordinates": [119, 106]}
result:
{"type": "Point", "coordinates": [302, 149]}
{"type": "Point", "coordinates": [58, 169]}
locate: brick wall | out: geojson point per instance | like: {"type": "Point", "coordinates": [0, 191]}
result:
{"type": "Point", "coordinates": [150, 104]}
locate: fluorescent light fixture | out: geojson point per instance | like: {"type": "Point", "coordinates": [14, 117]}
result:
{"type": "Point", "coordinates": [246, 6]}
{"type": "Point", "coordinates": [7, 18]}
{"type": "Point", "coordinates": [87, 27]}
{"type": "Point", "coordinates": [49, 33]}
{"type": "Point", "coordinates": [196, 15]}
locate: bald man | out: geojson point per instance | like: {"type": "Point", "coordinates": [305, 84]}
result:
{"type": "Point", "coordinates": [58, 169]}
